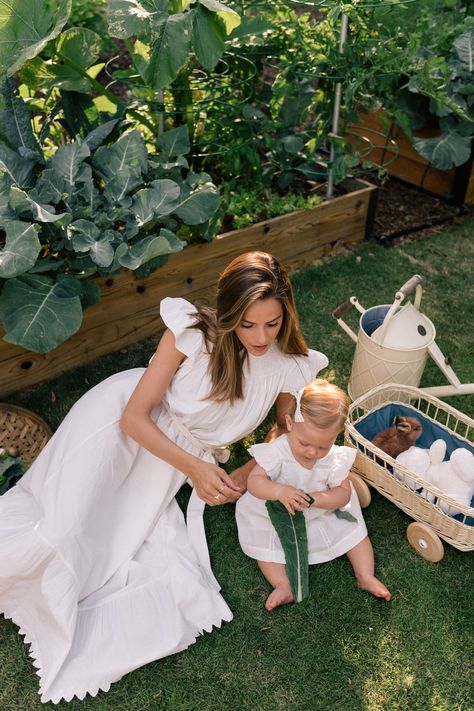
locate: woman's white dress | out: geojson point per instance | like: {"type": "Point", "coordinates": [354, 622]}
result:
{"type": "Point", "coordinates": [97, 566]}
{"type": "Point", "coordinates": [328, 536]}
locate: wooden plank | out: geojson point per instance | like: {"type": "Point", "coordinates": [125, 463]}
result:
{"type": "Point", "coordinates": [409, 165]}
{"type": "Point", "coordinates": [129, 309]}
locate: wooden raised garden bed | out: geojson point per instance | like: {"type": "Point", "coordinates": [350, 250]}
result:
{"type": "Point", "coordinates": [456, 184]}
{"type": "Point", "coordinates": [128, 309]}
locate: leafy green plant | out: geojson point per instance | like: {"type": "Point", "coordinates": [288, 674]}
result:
{"type": "Point", "coordinates": [246, 206]}
{"type": "Point", "coordinates": [11, 469]}
{"type": "Point", "coordinates": [440, 93]}
{"type": "Point", "coordinates": [93, 207]}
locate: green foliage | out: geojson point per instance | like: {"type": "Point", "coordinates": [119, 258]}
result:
{"type": "Point", "coordinates": [250, 205]}
{"type": "Point", "coordinates": [90, 14]}
{"type": "Point", "coordinates": [26, 27]}
{"type": "Point", "coordinates": [435, 89]}
{"type": "Point", "coordinates": [92, 208]}
{"type": "Point", "coordinates": [10, 470]}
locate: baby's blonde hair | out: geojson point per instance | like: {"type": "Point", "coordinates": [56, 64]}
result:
{"type": "Point", "coordinates": [323, 404]}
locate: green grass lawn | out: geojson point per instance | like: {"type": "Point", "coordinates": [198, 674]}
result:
{"type": "Point", "coordinates": [339, 649]}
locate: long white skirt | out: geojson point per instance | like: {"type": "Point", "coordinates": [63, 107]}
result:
{"type": "Point", "coordinates": [96, 563]}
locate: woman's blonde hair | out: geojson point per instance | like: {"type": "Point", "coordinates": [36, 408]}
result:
{"type": "Point", "coordinates": [248, 278]}
{"type": "Point", "coordinates": [323, 404]}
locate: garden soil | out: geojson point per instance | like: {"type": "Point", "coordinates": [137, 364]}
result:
{"type": "Point", "coordinates": [405, 213]}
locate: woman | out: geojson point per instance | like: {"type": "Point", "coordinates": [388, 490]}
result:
{"type": "Point", "coordinates": [97, 566]}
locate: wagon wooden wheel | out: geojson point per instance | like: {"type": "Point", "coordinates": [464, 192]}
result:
{"type": "Point", "coordinates": [362, 490]}
{"type": "Point", "coordinates": [425, 541]}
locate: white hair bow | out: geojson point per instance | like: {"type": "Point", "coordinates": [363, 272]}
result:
{"type": "Point", "coordinates": [297, 394]}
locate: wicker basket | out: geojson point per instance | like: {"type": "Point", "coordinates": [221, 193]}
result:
{"type": "Point", "coordinates": [24, 430]}
{"type": "Point", "coordinates": [376, 468]}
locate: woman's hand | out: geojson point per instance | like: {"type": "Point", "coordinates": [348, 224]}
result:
{"type": "Point", "coordinates": [213, 485]}
{"type": "Point", "coordinates": [292, 499]}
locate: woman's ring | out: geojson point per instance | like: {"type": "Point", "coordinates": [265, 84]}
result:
{"type": "Point", "coordinates": [222, 487]}
{"type": "Point", "coordinates": [217, 497]}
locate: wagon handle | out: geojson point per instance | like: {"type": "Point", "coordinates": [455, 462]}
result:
{"type": "Point", "coordinates": [342, 310]}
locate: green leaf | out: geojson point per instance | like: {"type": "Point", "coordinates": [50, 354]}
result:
{"type": "Point", "coordinates": [22, 247]}
{"type": "Point", "coordinates": [118, 188]}
{"type": "Point", "coordinates": [67, 161]}
{"type": "Point", "coordinates": [96, 137]}
{"type": "Point", "coordinates": [134, 18]}
{"type": "Point", "coordinates": [464, 48]}
{"type": "Point", "coordinates": [22, 203]}
{"type": "Point", "coordinates": [199, 205]}
{"type": "Point", "coordinates": [5, 209]}
{"type": "Point", "coordinates": [50, 187]}
{"type": "Point", "coordinates": [10, 470]}
{"type": "Point", "coordinates": [345, 515]}
{"type": "Point", "coordinates": [228, 17]}
{"type": "Point", "coordinates": [19, 170]}
{"type": "Point", "coordinates": [160, 63]}
{"type": "Point", "coordinates": [126, 155]}
{"type": "Point", "coordinates": [291, 531]}
{"type": "Point", "coordinates": [86, 237]}
{"type": "Point", "coordinates": [90, 293]}
{"type": "Point", "coordinates": [445, 150]}
{"type": "Point", "coordinates": [292, 144]}
{"type": "Point", "coordinates": [159, 200]}
{"type": "Point", "coordinates": [26, 26]}
{"type": "Point", "coordinates": [15, 119]}
{"type": "Point", "coordinates": [38, 313]}
{"type": "Point", "coordinates": [209, 37]}
{"type": "Point", "coordinates": [153, 246]}
{"type": "Point", "coordinates": [174, 143]}
{"type": "Point", "coordinates": [81, 47]}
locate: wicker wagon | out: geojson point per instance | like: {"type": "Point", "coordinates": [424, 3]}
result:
{"type": "Point", "coordinates": [372, 466]}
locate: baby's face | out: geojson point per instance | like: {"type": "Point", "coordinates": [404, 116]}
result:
{"type": "Point", "coordinates": [309, 443]}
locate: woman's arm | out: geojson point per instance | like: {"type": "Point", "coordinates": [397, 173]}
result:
{"type": "Point", "coordinates": [208, 479]}
{"type": "Point", "coordinates": [332, 498]}
{"type": "Point", "coordinates": [260, 485]}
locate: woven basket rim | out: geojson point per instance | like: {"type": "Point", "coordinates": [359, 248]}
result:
{"type": "Point", "coordinates": [6, 408]}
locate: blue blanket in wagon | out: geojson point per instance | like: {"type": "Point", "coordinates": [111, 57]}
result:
{"type": "Point", "coordinates": [382, 418]}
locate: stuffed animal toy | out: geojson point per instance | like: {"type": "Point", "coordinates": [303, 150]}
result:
{"type": "Point", "coordinates": [397, 439]}
{"type": "Point", "coordinates": [454, 477]}
{"type": "Point", "coordinates": [418, 461]}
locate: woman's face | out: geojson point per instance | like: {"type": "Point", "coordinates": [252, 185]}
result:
{"type": "Point", "coordinates": [260, 325]}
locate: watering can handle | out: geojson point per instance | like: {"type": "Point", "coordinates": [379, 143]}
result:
{"type": "Point", "coordinates": [342, 310]}
{"type": "Point", "coordinates": [410, 285]}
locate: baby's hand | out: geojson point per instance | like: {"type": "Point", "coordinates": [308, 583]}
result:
{"type": "Point", "coordinates": [292, 499]}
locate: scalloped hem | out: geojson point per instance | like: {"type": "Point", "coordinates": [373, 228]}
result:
{"type": "Point", "coordinates": [105, 684]}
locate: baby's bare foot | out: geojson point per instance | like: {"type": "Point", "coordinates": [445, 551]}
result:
{"type": "Point", "coordinates": [281, 595]}
{"type": "Point", "coordinates": [372, 585]}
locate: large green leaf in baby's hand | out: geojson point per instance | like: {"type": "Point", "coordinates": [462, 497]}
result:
{"type": "Point", "coordinates": [340, 513]}
{"type": "Point", "coordinates": [291, 531]}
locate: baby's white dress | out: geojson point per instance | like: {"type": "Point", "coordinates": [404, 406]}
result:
{"type": "Point", "coordinates": [97, 565]}
{"type": "Point", "coordinates": [328, 536]}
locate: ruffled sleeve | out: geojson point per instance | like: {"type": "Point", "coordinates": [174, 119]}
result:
{"type": "Point", "coordinates": [177, 315]}
{"type": "Point", "coordinates": [268, 455]}
{"type": "Point", "coordinates": [301, 369]}
{"type": "Point", "coordinates": [343, 459]}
